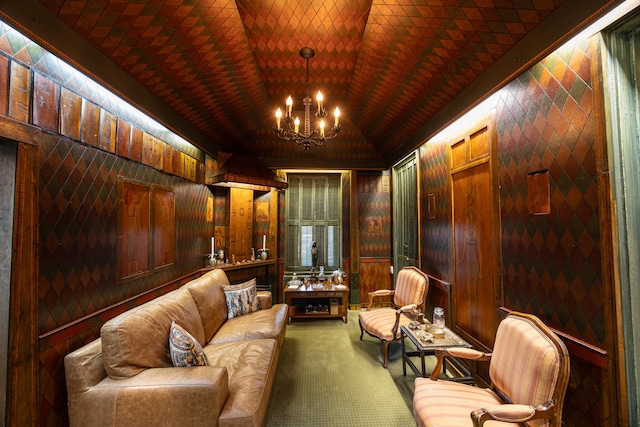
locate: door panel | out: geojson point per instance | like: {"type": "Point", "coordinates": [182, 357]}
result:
{"type": "Point", "coordinates": [475, 297]}
{"type": "Point", "coordinates": [476, 230]}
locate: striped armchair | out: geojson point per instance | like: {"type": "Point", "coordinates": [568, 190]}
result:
{"type": "Point", "coordinates": [529, 370]}
{"type": "Point", "coordinates": [384, 323]}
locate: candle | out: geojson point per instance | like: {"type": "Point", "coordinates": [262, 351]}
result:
{"type": "Point", "coordinates": [296, 123]}
{"type": "Point", "coordinates": [337, 114]}
{"type": "Point", "coordinates": [278, 116]}
{"type": "Point", "coordinates": [264, 241]}
{"type": "Point", "coordinates": [319, 98]}
{"type": "Point", "coordinates": [289, 106]}
{"type": "Point", "coordinates": [213, 246]}
{"type": "Point", "coordinates": [322, 128]}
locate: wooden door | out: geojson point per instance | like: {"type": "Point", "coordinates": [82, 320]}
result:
{"type": "Point", "coordinates": [476, 226]}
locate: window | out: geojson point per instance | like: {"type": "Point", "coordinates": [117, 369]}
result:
{"type": "Point", "coordinates": [313, 215]}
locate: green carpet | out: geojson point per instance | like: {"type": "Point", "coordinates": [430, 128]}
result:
{"type": "Point", "coordinates": [328, 377]}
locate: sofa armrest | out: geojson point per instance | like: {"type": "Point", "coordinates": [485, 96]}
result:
{"type": "Point", "coordinates": [156, 396]}
{"type": "Point", "coordinates": [266, 299]}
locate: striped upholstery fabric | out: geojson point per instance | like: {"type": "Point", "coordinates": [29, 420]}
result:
{"type": "Point", "coordinates": [380, 321]}
{"type": "Point", "coordinates": [525, 364]}
{"type": "Point", "coordinates": [410, 288]}
{"type": "Point", "coordinates": [449, 404]}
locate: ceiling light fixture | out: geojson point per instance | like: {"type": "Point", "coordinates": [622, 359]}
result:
{"type": "Point", "coordinates": [291, 129]}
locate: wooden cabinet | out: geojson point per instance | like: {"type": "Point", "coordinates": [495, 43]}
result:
{"type": "Point", "coordinates": [335, 300]}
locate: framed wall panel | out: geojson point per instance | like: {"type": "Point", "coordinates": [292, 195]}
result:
{"type": "Point", "coordinates": [134, 229]}
{"type": "Point", "coordinates": [164, 227]}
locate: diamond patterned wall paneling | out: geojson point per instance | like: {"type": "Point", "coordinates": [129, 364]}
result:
{"type": "Point", "coordinates": [552, 262]}
{"type": "Point", "coordinates": [435, 234]}
{"type": "Point", "coordinates": [374, 214]}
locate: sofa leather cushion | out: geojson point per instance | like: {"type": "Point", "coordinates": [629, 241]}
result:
{"type": "Point", "coordinates": [139, 338]}
{"type": "Point", "coordinates": [209, 297]}
{"type": "Point", "coordinates": [241, 299]}
{"type": "Point", "coordinates": [251, 366]}
{"type": "Point", "coordinates": [185, 350]}
{"type": "Point", "coordinates": [269, 323]}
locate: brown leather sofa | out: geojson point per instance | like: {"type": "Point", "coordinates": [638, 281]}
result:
{"type": "Point", "coordinates": [126, 377]}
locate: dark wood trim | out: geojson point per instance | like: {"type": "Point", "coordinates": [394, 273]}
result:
{"type": "Point", "coordinates": [17, 131]}
{"type": "Point", "coordinates": [616, 384]}
{"type": "Point", "coordinates": [22, 396]}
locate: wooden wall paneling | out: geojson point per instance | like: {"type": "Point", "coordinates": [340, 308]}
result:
{"type": "Point", "coordinates": [615, 386]}
{"type": "Point", "coordinates": [272, 239]}
{"type": "Point", "coordinates": [164, 227]}
{"type": "Point", "coordinates": [135, 149]}
{"type": "Point", "coordinates": [70, 114]}
{"type": "Point", "coordinates": [134, 230]}
{"type": "Point", "coordinates": [108, 131]}
{"type": "Point", "coordinates": [152, 151]}
{"type": "Point", "coordinates": [167, 163]}
{"type": "Point", "coordinates": [22, 397]}
{"type": "Point", "coordinates": [374, 274]}
{"type": "Point", "coordinates": [46, 94]}
{"type": "Point", "coordinates": [19, 92]}
{"type": "Point", "coordinates": [354, 237]}
{"type": "Point", "coordinates": [177, 163]}
{"type": "Point", "coordinates": [90, 124]}
{"type": "Point", "coordinates": [4, 85]}
{"type": "Point", "coordinates": [190, 168]}
{"type": "Point", "coordinates": [240, 224]}
{"type": "Point", "coordinates": [123, 138]}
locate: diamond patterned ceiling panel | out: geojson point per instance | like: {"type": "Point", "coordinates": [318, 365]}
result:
{"type": "Point", "coordinates": [224, 66]}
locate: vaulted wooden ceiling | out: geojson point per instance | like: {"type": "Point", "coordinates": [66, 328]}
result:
{"type": "Point", "coordinates": [214, 71]}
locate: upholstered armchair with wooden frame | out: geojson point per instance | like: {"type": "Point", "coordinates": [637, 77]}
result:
{"type": "Point", "coordinates": [529, 371]}
{"type": "Point", "coordinates": [408, 297]}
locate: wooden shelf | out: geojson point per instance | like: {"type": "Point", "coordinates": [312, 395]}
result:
{"type": "Point", "coordinates": [241, 265]}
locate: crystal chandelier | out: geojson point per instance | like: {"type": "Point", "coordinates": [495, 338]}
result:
{"type": "Point", "coordinates": [291, 129]}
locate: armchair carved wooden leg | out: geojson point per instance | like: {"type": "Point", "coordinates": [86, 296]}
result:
{"type": "Point", "coordinates": [385, 353]}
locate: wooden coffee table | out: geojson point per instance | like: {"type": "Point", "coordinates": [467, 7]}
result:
{"type": "Point", "coordinates": [424, 348]}
{"type": "Point", "coordinates": [317, 295]}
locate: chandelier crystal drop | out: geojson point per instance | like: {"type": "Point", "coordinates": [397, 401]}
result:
{"type": "Point", "coordinates": [288, 128]}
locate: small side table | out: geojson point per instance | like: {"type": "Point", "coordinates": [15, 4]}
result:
{"type": "Point", "coordinates": [451, 339]}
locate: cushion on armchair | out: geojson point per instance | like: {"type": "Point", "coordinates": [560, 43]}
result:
{"type": "Point", "coordinates": [379, 323]}
{"type": "Point", "coordinates": [531, 379]}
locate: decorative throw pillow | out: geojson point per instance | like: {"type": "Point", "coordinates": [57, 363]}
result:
{"type": "Point", "coordinates": [185, 350]}
{"type": "Point", "coordinates": [241, 299]}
